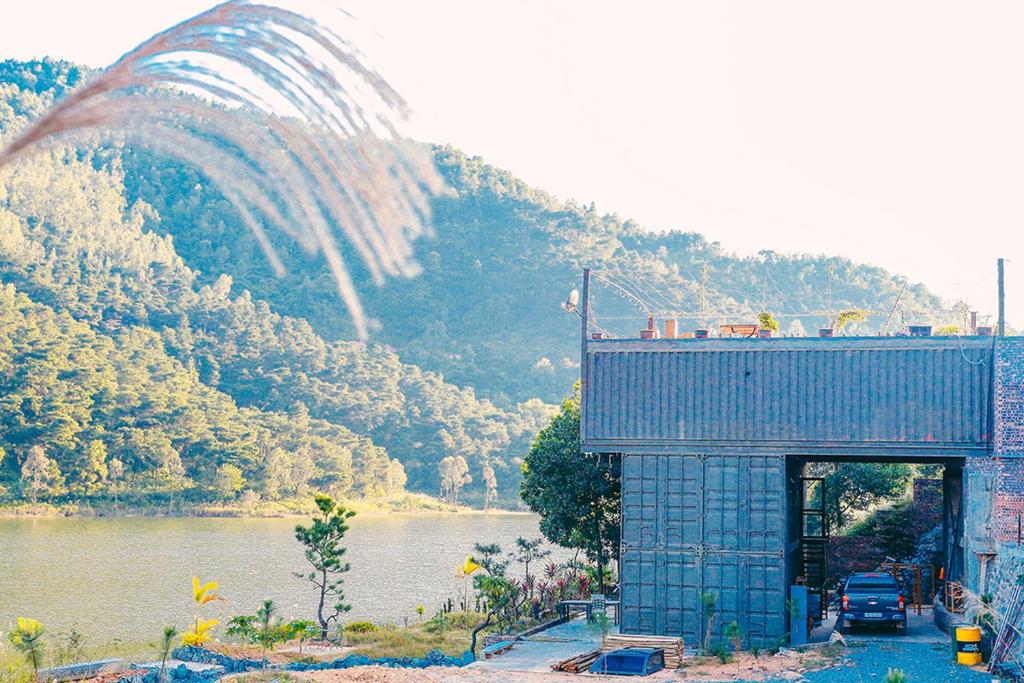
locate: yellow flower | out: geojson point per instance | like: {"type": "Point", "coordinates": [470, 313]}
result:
{"type": "Point", "coordinates": [469, 566]}
{"type": "Point", "coordinates": [204, 593]}
{"type": "Point", "coordinates": [27, 630]}
{"type": "Point", "coordinates": [200, 632]}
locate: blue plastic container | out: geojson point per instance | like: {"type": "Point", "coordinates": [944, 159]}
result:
{"type": "Point", "coordinates": [630, 661]}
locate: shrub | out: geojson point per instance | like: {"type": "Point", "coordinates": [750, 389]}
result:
{"type": "Point", "coordinates": [721, 650]}
{"type": "Point", "coordinates": [361, 627]}
{"type": "Point", "coordinates": [895, 676]}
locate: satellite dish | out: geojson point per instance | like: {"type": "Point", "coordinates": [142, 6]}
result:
{"type": "Point", "coordinates": [570, 304]}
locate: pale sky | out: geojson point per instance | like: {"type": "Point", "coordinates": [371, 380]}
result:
{"type": "Point", "coordinates": [888, 132]}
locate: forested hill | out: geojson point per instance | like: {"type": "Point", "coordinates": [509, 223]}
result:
{"type": "Point", "coordinates": [127, 249]}
{"type": "Point", "coordinates": [284, 409]}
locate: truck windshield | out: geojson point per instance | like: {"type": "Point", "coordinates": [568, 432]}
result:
{"type": "Point", "coordinates": [872, 583]}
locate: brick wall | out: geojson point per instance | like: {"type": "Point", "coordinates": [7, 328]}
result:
{"type": "Point", "coordinates": [1006, 467]}
{"type": "Point", "coordinates": [1008, 437]}
{"type": "Point", "coordinates": [994, 486]}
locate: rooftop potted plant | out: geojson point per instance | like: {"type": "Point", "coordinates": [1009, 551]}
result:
{"type": "Point", "coordinates": [768, 324]}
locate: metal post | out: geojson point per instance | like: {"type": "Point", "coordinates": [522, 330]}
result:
{"type": "Point", "coordinates": [1002, 300]}
{"type": "Point", "coordinates": [584, 330]}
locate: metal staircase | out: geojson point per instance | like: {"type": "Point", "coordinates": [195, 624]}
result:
{"type": "Point", "coordinates": [814, 540]}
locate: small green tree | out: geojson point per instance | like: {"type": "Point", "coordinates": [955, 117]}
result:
{"type": "Point", "coordinates": [576, 496]}
{"type": "Point", "coordinates": [40, 475]}
{"type": "Point", "coordinates": [164, 648]}
{"type": "Point", "coordinates": [229, 481]}
{"type": "Point", "coordinates": [487, 556]}
{"type": "Point", "coordinates": [503, 601]}
{"type": "Point", "coordinates": [708, 603]}
{"type": "Point", "coordinates": [735, 635]}
{"type": "Point", "coordinates": [93, 470]}
{"type": "Point", "coordinates": [490, 486]}
{"type": "Point", "coordinates": [115, 475]}
{"type": "Point", "coordinates": [304, 629]}
{"type": "Point", "coordinates": [895, 676]}
{"type": "Point", "coordinates": [528, 552]}
{"type": "Point", "coordinates": [264, 628]}
{"type": "Point", "coordinates": [27, 638]}
{"type": "Point", "coordinates": [321, 541]}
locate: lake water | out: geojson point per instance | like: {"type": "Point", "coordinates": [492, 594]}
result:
{"type": "Point", "coordinates": [125, 578]}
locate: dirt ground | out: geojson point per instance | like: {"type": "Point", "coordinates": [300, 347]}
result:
{"type": "Point", "coordinates": [745, 667]}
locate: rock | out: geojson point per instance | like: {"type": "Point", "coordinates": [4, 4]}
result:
{"type": "Point", "coordinates": [837, 637]}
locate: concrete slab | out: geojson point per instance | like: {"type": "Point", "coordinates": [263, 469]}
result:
{"type": "Point", "coordinates": [538, 652]}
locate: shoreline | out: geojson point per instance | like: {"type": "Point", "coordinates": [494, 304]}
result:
{"type": "Point", "coordinates": [50, 512]}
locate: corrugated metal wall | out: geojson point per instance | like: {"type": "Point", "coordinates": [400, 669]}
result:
{"type": "Point", "coordinates": [693, 524]}
{"type": "Point", "coordinates": [936, 392]}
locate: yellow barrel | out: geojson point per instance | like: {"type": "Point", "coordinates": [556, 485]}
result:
{"type": "Point", "coordinates": [968, 645]}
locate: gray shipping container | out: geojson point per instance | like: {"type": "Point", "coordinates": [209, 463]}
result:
{"type": "Point", "coordinates": [696, 524]}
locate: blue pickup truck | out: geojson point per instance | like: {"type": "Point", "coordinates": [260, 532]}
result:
{"type": "Point", "coordinates": [872, 599]}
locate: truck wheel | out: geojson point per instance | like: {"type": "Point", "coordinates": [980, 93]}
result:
{"type": "Point", "coordinates": [901, 629]}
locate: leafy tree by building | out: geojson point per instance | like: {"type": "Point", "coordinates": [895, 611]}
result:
{"type": "Point", "coordinates": [576, 497]}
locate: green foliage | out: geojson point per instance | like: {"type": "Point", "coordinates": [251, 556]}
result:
{"type": "Point", "coordinates": [708, 605]}
{"type": "Point", "coordinates": [502, 598]}
{"type": "Point", "coordinates": [320, 541]}
{"type": "Point", "coordinates": [721, 650]}
{"type": "Point", "coordinates": [893, 526]}
{"type": "Point", "coordinates": [853, 487]}
{"type": "Point", "coordinates": [766, 321]}
{"type": "Point", "coordinates": [27, 638]}
{"type": "Point", "coordinates": [529, 551]}
{"type": "Point", "coordinates": [488, 556]}
{"type": "Point", "coordinates": [265, 628]}
{"type": "Point", "coordinates": [850, 317]}
{"type": "Point", "coordinates": [895, 676]}
{"type": "Point", "coordinates": [361, 627]}
{"type": "Point", "coordinates": [947, 330]}
{"type": "Point", "coordinates": [576, 496]}
{"type": "Point", "coordinates": [164, 647]}
{"type": "Point", "coordinates": [229, 481]}
{"type": "Point", "coordinates": [734, 635]}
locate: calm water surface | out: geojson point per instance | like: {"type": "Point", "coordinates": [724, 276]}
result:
{"type": "Point", "coordinates": [125, 578]}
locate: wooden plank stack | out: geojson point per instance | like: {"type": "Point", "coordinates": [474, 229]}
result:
{"type": "Point", "coordinates": [672, 647]}
{"type": "Point", "coordinates": [577, 664]}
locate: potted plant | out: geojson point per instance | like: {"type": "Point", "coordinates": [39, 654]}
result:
{"type": "Point", "coordinates": [844, 318]}
{"type": "Point", "coordinates": [768, 325]}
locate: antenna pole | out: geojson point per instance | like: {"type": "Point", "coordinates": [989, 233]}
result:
{"type": "Point", "coordinates": [1002, 298]}
{"type": "Point", "coordinates": [584, 379]}
{"type": "Point", "coordinates": [703, 298]}
{"type": "Point", "coordinates": [896, 303]}
{"type": "Point", "coordinates": [831, 274]}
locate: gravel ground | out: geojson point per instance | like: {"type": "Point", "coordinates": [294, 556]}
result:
{"type": "Point", "coordinates": [922, 662]}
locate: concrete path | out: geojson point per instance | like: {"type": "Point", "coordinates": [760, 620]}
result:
{"type": "Point", "coordinates": [537, 653]}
